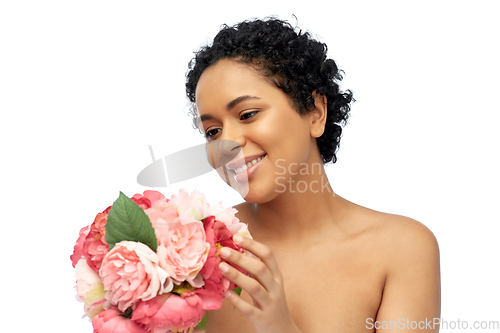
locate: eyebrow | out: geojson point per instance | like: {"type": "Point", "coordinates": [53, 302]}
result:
{"type": "Point", "coordinates": [231, 105]}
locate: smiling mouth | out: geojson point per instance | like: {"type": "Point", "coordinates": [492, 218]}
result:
{"type": "Point", "coordinates": [248, 165]}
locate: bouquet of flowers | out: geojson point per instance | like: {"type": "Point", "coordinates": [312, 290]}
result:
{"type": "Point", "coordinates": [151, 264]}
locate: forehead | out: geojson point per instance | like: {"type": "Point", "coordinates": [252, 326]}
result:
{"type": "Point", "coordinates": [228, 79]}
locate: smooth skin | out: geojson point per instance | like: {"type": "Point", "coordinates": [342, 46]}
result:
{"type": "Point", "coordinates": [320, 263]}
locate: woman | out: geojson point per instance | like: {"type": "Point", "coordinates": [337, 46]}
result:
{"type": "Point", "coordinates": [321, 263]}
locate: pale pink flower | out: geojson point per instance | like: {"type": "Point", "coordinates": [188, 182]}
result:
{"type": "Point", "coordinates": [131, 272]}
{"type": "Point", "coordinates": [163, 214]}
{"type": "Point", "coordinates": [89, 289]}
{"type": "Point", "coordinates": [112, 321]}
{"type": "Point", "coordinates": [167, 311]}
{"type": "Point", "coordinates": [86, 277]}
{"type": "Point", "coordinates": [225, 215]}
{"type": "Point", "coordinates": [243, 231]}
{"type": "Point", "coordinates": [182, 250]}
{"type": "Point", "coordinates": [190, 206]}
{"type": "Point", "coordinates": [168, 227]}
{"type": "Point", "coordinates": [228, 217]}
{"type": "Point", "coordinates": [96, 301]}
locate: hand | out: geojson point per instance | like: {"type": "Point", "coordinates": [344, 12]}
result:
{"type": "Point", "coordinates": [269, 311]}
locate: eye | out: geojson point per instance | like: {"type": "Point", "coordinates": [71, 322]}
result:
{"type": "Point", "coordinates": [248, 115]}
{"type": "Point", "coordinates": [211, 133]}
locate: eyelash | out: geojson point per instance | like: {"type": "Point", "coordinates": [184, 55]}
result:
{"type": "Point", "coordinates": [208, 136]}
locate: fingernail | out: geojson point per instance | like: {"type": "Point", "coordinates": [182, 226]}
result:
{"type": "Point", "coordinates": [223, 267]}
{"type": "Point", "coordinates": [227, 293]}
{"type": "Point", "coordinates": [225, 252]}
{"type": "Point", "coordinates": [237, 239]}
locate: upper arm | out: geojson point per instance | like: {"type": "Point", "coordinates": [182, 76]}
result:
{"type": "Point", "coordinates": [411, 299]}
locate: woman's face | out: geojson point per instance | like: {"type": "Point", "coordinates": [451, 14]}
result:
{"type": "Point", "coordinates": [246, 117]}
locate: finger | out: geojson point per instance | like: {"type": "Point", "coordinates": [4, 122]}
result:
{"type": "Point", "coordinates": [258, 293]}
{"type": "Point", "coordinates": [261, 251]}
{"type": "Point", "coordinates": [247, 309]}
{"type": "Point", "coordinates": [253, 266]}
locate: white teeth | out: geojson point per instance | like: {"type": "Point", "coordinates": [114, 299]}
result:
{"type": "Point", "coordinates": [243, 168]}
{"type": "Point", "coordinates": [248, 165]}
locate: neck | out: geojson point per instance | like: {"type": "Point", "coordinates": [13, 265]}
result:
{"type": "Point", "coordinates": [307, 207]}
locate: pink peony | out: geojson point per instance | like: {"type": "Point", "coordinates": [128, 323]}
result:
{"type": "Point", "coordinates": [78, 249]}
{"type": "Point", "coordinates": [95, 246]}
{"type": "Point", "coordinates": [163, 214]}
{"type": "Point", "coordinates": [130, 272]}
{"type": "Point", "coordinates": [89, 289]}
{"type": "Point", "coordinates": [224, 215]}
{"type": "Point", "coordinates": [167, 311]}
{"type": "Point", "coordinates": [243, 232]}
{"type": "Point", "coordinates": [228, 217]}
{"type": "Point", "coordinates": [96, 302]}
{"type": "Point", "coordinates": [190, 206]}
{"type": "Point", "coordinates": [182, 250]}
{"type": "Point", "coordinates": [204, 298]}
{"type": "Point", "coordinates": [112, 321]}
{"type": "Point", "coordinates": [155, 197]}
{"type": "Point", "coordinates": [149, 199]}
{"type": "Point", "coordinates": [85, 279]}
{"type": "Point", "coordinates": [218, 236]}
{"type": "Point", "coordinates": [141, 201]}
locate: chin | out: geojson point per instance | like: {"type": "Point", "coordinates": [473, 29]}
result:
{"type": "Point", "coordinates": [257, 195]}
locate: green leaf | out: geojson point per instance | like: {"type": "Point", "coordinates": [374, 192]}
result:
{"type": "Point", "coordinates": [128, 222]}
{"type": "Point", "coordinates": [237, 290]}
{"type": "Point", "coordinates": [203, 321]}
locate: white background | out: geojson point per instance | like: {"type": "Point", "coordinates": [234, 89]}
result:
{"type": "Point", "coordinates": [86, 86]}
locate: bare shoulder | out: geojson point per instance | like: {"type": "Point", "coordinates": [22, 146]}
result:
{"type": "Point", "coordinates": [412, 267]}
{"type": "Point", "coordinates": [405, 236]}
{"type": "Point", "coordinates": [399, 241]}
{"type": "Point", "coordinates": [395, 232]}
{"type": "Point", "coordinates": [411, 254]}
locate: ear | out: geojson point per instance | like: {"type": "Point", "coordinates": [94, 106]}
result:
{"type": "Point", "coordinates": [318, 115]}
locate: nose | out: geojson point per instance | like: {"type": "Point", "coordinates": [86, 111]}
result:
{"type": "Point", "coordinates": [231, 141]}
{"type": "Point", "coordinates": [227, 147]}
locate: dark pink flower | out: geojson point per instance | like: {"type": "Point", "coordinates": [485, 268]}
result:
{"type": "Point", "coordinates": [95, 246]}
{"type": "Point", "coordinates": [203, 298]}
{"type": "Point", "coordinates": [218, 236]}
{"type": "Point", "coordinates": [149, 199]}
{"type": "Point", "coordinates": [78, 249]}
{"type": "Point", "coordinates": [112, 321]}
{"type": "Point", "coordinates": [141, 201]}
{"type": "Point", "coordinates": [167, 311]}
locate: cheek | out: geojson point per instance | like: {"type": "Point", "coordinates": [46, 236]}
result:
{"type": "Point", "coordinates": [287, 141]}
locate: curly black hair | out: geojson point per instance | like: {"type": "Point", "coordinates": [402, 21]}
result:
{"type": "Point", "coordinates": [292, 59]}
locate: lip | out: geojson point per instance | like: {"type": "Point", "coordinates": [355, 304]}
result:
{"type": "Point", "coordinates": [233, 165]}
{"type": "Point", "coordinates": [246, 175]}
